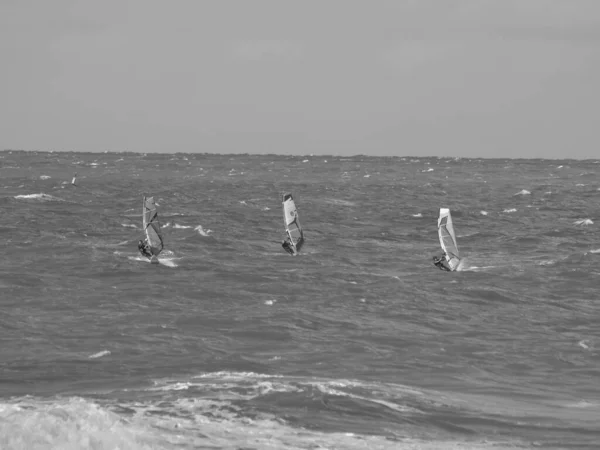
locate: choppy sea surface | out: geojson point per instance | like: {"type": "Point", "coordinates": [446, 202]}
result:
{"type": "Point", "coordinates": [357, 343]}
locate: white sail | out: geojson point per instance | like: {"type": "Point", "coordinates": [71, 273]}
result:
{"type": "Point", "coordinates": [292, 221]}
{"type": "Point", "coordinates": [152, 226]}
{"type": "Point", "coordinates": [448, 238]}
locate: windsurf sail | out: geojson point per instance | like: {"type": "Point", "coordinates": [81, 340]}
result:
{"type": "Point", "coordinates": [448, 238]}
{"type": "Point", "coordinates": [292, 222]}
{"type": "Point", "coordinates": [152, 226]}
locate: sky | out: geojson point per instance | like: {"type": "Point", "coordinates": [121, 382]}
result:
{"type": "Point", "coordinates": [468, 78]}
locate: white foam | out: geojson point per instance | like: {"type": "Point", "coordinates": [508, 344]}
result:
{"type": "Point", "coordinates": [584, 222]}
{"type": "Point", "coordinates": [428, 170]}
{"type": "Point", "coordinates": [523, 192]}
{"type": "Point", "coordinates": [584, 344]}
{"type": "Point", "coordinates": [99, 354]}
{"type": "Point", "coordinates": [417, 215]}
{"type": "Point", "coordinates": [201, 231]}
{"type": "Point", "coordinates": [177, 226]}
{"type": "Point", "coordinates": [483, 213]}
{"type": "Point", "coordinates": [305, 161]}
{"type": "Point", "coordinates": [128, 225]}
{"type": "Point", "coordinates": [510, 210]}
{"type": "Point", "coordinates": [40, 196]}
{"type": "Point", "coordinates": [367, 176]}
{"type": "Point", "coordinates": [270, 302]}
{"type": "Point", "coordinates": [45, 177]}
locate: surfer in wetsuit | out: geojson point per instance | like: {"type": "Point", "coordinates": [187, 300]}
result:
{"type": "Point", "coordinates": [441, 263]}
{"type": "Point", "coordinates": [287, 246]}
{"type": "Point", "coordinates": [145, 249]}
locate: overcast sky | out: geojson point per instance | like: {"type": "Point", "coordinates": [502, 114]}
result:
{"type": "Point", "coordinates": [481, 78]}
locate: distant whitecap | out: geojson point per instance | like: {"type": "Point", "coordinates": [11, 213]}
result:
{"type": "Point", "coordinates": [367, 176]}
{"type": "Point", "coordinates": [483, 213]}
{"type": "Point", "coordinates": [305, 161]}
{"type": "Point", "coordinates": [584, 222]}
{"type": "Point", "coordinates": [428, 170]}
{"type": "Point", "coordinates": [128, 225]}
{"type": "Point", "coordinates": [270, 302]}
{"type": "Point", "coordinates": [580, 184]}
{"type": "Point", "coordinates": [417, 215]}
{"type": "Point", "coordinates": [41, 196]}
{"type": "Point", "coordinates": [45, 177]}
{"type": "Point", "coordinates": [584, 344]}
{"type": "Point", "coordinates": [523, 192]}
{"type": "Point", "coordinates": [510, 210]}
{"type": "Point", "coordinates": [201, 231]}
{"type": "Point", "coordinates": [181, 226]}
{"type": "Point", "coordinates": [99, 354]}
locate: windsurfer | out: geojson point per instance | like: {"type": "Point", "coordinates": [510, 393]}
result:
{"type": "Point", "coordinates": [287, 246]}
{"type": "Point", "coordinates": [145, 248]}
{"type": "Point", "coordinates": [441, 262]}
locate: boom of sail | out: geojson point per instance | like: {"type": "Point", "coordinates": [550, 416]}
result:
{"type": "Point", "coordinates": [152, 226]}
{"type": "Point", "coordinates": [448, 238]}
{"type": "Point", "coordinates": [292, 222]}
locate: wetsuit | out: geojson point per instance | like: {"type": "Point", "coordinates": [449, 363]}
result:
{"type": "Point", "coordinates": [144, 249]}
{"type": "Point", "coordinates": [287, 246]}
{"type": "Point", "coordinates": [441, 263]}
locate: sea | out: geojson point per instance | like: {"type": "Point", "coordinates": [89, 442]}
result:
{"type": "Point", "coordinates": [359, 342]}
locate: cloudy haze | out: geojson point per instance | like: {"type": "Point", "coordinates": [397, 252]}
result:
{"type": "Point", "coordinates": [489, 78]}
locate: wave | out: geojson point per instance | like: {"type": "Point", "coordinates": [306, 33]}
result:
{"type": "Point", "coordinates": [194, 423]}
{"type": "Point", "coordinates": [202, 232]}
{"type": "Point", "coordinates": [99, 354]}
{"type": "Point", "coordinates": [40, 196]}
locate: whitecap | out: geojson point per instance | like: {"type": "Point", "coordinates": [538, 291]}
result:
{"type": "Point", "coordinates": [483, 213]}
{"type": "Point", "coordinates": [428, 170]}
{"type": "Point", "coordinates": [201, 231]}
{"type": "Point", "coordinates": [584, 222]}
{"type": "Point", "coordinates": [523, 192]}
{"type": "Point", "coordinates": [99, 354]}
{"type": "Point", "coordinates": [584, 344]}
{"type": "Point", "coordinates": [128, 225]}
{"type": "Point", "coordinates": [367, 176]}
{"type": "Point", "coordinates": [510, 210]}
{"type": "Point", "coordinates": [45, 177]}
{"type": "Point", "coordinates": [270, 302]}
{"type": "Point", "coordinates": [40, 196]}
{"type": "Point", "coordinates": [305, 161]}
{"type": "Point", "coordinates": [580, 184]}
{"type": "Point", "coordinates": [560, 167]}
{"type": "Point", "coordinates": [266, 208]}
{"type": "Point", "coordinates": [181, 226]}
{"type": "Point", "coordinates": [417, 215]}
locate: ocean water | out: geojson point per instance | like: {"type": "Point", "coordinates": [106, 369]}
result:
{"type": "Point", "coordinates": [357, 343]}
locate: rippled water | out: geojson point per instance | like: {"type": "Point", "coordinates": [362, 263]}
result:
{"type": "Point", "coordinates": [358, 343]}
